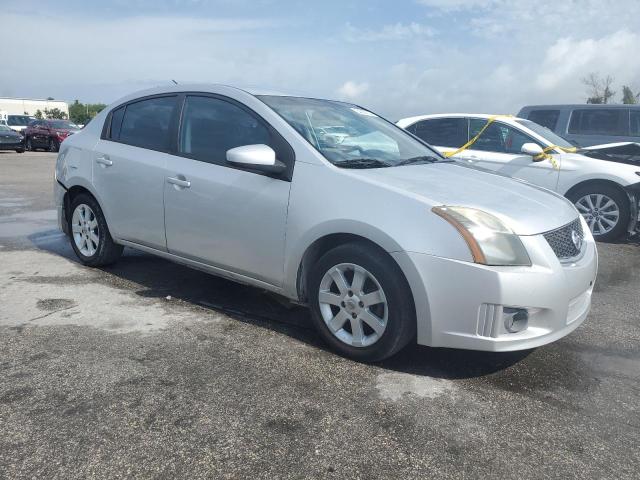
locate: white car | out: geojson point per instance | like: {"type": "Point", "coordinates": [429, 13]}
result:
{"type": "Point", "coordinates": [606, 192]}
{"type": "Point", "coordinates": [386, 241]}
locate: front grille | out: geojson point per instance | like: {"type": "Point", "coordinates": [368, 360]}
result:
{"type": "Point", "coordinates": [562, 242]}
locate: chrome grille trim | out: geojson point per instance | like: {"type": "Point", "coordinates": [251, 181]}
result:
{"type": "Point", "coordinates": [561, 242]}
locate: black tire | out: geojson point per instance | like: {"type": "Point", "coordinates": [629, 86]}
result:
{"type": "Point", "coordinates": [28, 146]}
{"type": "Point", "coordinates": [107, 251]}
{"type": "Point", "coordinates": [401, 322]}
{"type": "Point", "coordinates": [618, 196]}
{"type": "Point", "coordinates": [20, 150]}
{"type": "Point", "coordinates": [53, 146]}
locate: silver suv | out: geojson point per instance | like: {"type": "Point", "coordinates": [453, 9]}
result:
{"type": "Point", "coordinates": [332, 206]}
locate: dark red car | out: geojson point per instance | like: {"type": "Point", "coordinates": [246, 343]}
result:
{"type": "Point", "coordinates": [47, 134]}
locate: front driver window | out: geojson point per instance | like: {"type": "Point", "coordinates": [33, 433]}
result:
{"type": "Point", "coordinates": [211, 126]}
{"type": "Point", "coordinates": [498, 137]}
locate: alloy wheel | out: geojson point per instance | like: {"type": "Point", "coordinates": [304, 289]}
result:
{"type": "Point", "coordinates": [600, 212]}
{"type": "Point", "coordinates": [84, 228]}
{"type": "Point", "coordinates": [353, 305]}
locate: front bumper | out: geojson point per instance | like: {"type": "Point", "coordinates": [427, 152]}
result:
{"type": "Point", "coordinates": [460, 304]}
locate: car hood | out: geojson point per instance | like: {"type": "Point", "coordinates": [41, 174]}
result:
{"type": "Point", "coordinates": [527, 209]}
{"type": "Point", "coordinates": [622, 152]}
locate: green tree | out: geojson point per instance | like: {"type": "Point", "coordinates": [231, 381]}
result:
{"type": "Point", "coordinates": [55, 113]}
{"type": "Point", "coordinates": [628, 96]}
{"type": "Point", "coordinates": [39, 115]}
{"type": "Point", "coordinates": [82, 113]}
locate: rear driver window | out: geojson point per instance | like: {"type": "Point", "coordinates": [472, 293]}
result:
{"type": "Point", "coordinates": [211, 126]}
{"type": "Point", "coordinates": [443, 132]}
{"type": "Point", "coordinates": [146, 123]}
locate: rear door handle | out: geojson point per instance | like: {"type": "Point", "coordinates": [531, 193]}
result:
{"type": "Point", "coordinates": [104, 160]}
{"type": "Point", "coordinates": [179, 182]}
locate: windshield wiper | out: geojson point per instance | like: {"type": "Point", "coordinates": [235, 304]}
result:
{"type": "Point", "coordinates": [419, 160]}
{"type": "Point", "coordinates": [362, 163]}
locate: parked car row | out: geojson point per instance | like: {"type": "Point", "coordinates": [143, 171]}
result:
{"type": "Point", "coordinates": [45, 134]}
{"type": "Point", "coordinates": [605, 192]}
{"type": "Point", "coordinates": [587, 125]}
{"type": "Point", "coordinates": [334, 207]}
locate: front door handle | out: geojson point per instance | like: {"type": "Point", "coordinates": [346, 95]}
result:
{"type": "Point", "coordinates": [104, 160]}
{"type": "Point", "coordinates": [179, 182]}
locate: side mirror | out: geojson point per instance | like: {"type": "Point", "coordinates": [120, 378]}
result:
{"type": "Point", "coordinates": [532, 149]}
{"type": "Point", "coordinates": [256, 157]}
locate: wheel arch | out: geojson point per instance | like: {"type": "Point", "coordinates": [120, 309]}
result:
{"type": "Point", "coordinates": [596, 181]}
{"type": "Point", "coordinates": [629, 193]}
{"type": "Point", "coordinates": [322, 245]}
{"type": "Point", "coordinates": [74, 190]}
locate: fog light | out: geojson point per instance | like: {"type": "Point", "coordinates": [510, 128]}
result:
{"type": "Point", "coordinates": [515, 319]}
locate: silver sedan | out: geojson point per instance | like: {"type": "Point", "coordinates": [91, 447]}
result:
{"type": "Point", "coordinates": [331, 206]}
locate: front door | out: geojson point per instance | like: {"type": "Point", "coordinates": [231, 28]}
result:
{"type": "Point", "coordinates": [218, 214]}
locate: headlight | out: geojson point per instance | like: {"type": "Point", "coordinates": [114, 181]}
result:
{"type": "Point", "coordinates": [491, 242]}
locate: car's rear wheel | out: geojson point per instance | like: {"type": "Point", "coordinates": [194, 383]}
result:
{"type": "Point", "coordinates": [19, 150]}
{"type": "Point", "coordinates": [605, 208]}
{"type": "Point", "coordinates": [28, 145]}
{"type": "Point", "coordinates": [89, 234]}
{"type": "Point", "coordinates": [361, 303]}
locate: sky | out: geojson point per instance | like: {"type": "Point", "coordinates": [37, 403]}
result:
{"type": "Point", "coordinates": [398, 58]}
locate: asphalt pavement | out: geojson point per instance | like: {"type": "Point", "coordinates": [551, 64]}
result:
{"type": "Point", "coordinates": [148, 369]}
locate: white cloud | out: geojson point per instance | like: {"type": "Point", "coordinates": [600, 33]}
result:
{"type": "Point", "coordinates": [351, 90]}
{"type": "Point", "coordinates": [397, 31]}
{"type": "Point", "coordinates": [453, 5]}
{"type": "Point", "coordinates": [568, 60]}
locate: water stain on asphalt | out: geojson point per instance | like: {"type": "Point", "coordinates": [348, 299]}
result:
{"type": "Point", "coordinates": [393, 386]}
{"type": "Point", "coordinates": [51, 304]}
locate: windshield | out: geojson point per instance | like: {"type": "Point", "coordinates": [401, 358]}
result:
{"type": "Point", "coordinates": [347, 135]}
{"type": "Point", "coordinates": [545, 133]}
{"type": "Point", "coordinates": [4, 128]}
{"type": "Point", "coordinates": [63, 124]}
{"type": "Point", "coordinates": [18, 120]}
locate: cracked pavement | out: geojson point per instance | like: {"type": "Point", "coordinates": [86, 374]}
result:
{"type": "Point", "coordinates": [148, 369]}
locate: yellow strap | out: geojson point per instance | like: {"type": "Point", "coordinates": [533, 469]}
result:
{"type": "Point", "coordinates": [473, 140]}
{"type": "Point", "coordinates": [545, 155]}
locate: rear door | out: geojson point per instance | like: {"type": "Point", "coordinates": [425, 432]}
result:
{"type": "Point", "coordinates": [498, 149]}
{"type": "Point", "coordinates": [129, 168]}
{"type": "Point", "coordinates": [219, 214]}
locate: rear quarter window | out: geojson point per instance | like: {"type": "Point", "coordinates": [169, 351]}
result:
{"type": "Point", "coordinates": [635, 123]}
{"type": "Point", "coordinates": [600, 121]}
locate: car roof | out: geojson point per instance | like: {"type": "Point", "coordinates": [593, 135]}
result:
{"type": "Point", "coordinates": [405, 122]}
{"type": "Point", "coordinates": [215, 88]}
{"type": "Point", "coordinates": [581, 105]}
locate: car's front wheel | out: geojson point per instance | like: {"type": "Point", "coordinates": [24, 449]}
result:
{"type": "Point", "coordinates": [54, 145]}
{"type": "Point", "coordinates": [28, 145]}
{"type": "Point", "coordinates": [605, 208]}
{"type": "Point", "coordinates": [90, 237]}
{"type": "Point", "coordinates": [361, 303]}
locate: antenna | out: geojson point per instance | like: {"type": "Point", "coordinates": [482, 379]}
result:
{"type": "Point", "coordinates": [174, 81]}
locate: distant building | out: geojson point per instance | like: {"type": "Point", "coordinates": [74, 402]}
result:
{"type": "Point", "coordinates": [29, 106]}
